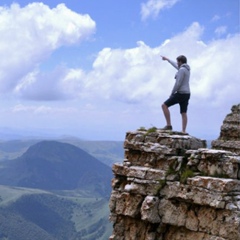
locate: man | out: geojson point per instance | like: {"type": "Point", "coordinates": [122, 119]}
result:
{"type": "Point", "coordinates": [180, 92]}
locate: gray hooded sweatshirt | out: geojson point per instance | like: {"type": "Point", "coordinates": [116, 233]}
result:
{"type": "Point", "coordinates": [182, 78]}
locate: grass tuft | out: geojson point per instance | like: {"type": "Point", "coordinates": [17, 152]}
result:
{"type": "Point", "coordinates": [151, 130]}
{"type": "Point", "coordinates": [187, 173]}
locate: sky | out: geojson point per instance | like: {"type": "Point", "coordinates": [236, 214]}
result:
{"type": "Point", "coordinates": [93, 69]}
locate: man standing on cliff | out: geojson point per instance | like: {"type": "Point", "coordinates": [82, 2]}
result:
{"type": "Point", "coordinates": [180, 93]}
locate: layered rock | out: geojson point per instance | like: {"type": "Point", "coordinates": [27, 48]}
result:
{"type": "Point", "coordinates": [171, 187]}
{"type": "Point", "coordinates": [229, 138]}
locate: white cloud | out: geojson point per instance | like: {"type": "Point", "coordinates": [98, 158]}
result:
{"type": "Point", "coordinates": [30, 34]}
{"type": "Point", "coordinates": [59, 84]}
{"type": "Point", "coordinates": [139, 75]}
{"type": "Point", "coordinates": [221, 30]}
{"type": "Point", "coordinates": [126, 75]}
{"type": "Point", "coordinates": [152, 8]}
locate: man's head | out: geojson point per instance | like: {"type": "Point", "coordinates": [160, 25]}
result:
{"type": "Point", "coordinates": [181, 60]}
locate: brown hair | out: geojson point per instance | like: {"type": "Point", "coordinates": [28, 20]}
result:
{"type": "Point", "coordinates": [182, 59]}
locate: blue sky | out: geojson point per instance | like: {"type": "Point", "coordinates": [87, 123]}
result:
{"type": "Point", "coordinates": [92, 69]}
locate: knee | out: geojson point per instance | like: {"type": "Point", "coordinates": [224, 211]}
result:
{"type": "Point", "coordinates": [184, 115]}
{"type": "Point", "coordinates": [164, 106]}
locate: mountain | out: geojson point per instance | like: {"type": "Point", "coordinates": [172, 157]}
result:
{"type": "Point", "coordinates": [108, 152]}
{"type": "Point", "coordinates": [53, 165]}
{"type": "Point", "coordinates": [56, 191]}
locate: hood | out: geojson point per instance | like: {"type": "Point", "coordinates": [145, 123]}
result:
{"type": "Point", "coordinates": [185, 65]}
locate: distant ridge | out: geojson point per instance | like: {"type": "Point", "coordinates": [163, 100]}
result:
{"type": "Point", "coordinates": [53, 165]}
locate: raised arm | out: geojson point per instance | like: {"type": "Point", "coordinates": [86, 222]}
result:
{"type": "Point", "coordinates": [174, 64]}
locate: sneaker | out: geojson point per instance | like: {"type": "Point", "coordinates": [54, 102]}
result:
{"type": "Point", "coordinates": [168, 127]}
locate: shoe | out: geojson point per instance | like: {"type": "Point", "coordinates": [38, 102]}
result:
{"type": "Point", "coordinates": [168, 127]}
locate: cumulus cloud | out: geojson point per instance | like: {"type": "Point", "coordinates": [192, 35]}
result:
{"type": "Point", "coordinates": [30, 34]}
{"type": "Point", "coordinates": [59, 84]}
{"type": "Point", "coordinates": [41, 86]}
{"type": "Point", "coordinates": [139, 75]}
{"type": "Point", "coordinates": [126, 75]}
{"type": "Point", "coordinates": [152, 8]}
{"type": "Point", "coordinates": [136, 75]}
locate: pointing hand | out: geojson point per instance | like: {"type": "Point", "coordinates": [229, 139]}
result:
{"type": "Point", "coordinates": [164, 58]}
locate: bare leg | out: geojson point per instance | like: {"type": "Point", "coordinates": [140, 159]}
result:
{"type": "Point", "coordinates": [166, 114]}
{"type": "Point", "coordinates": [184, 122]}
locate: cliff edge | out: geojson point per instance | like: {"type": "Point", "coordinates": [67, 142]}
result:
{"type": "Point", "coordinates": [171, 187]}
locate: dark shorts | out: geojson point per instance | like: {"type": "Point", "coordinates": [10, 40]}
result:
{"type": "Point", "coordinates": [180, 98]}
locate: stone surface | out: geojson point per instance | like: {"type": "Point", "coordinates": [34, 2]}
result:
{"type": "Point", "coordinates": [171, 187]}
{"type": "Point", "coordinates": [229, 138]}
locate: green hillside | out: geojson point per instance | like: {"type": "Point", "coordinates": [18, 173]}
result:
{"type": "Point", "coordinates": [54, 191]}
{"type": "Point", "coordinates": [53, 165]}
{"type": "Point", "coordinates": [29, 214]}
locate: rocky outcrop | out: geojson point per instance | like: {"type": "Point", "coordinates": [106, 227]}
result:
{"type": "Point", "coordinates": [171, 187]}
{"type": "Point", "coordinates": [229, 138]}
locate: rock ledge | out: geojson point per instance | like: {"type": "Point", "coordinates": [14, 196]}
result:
{"type": "Point", "coordinates": [171, 187]}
